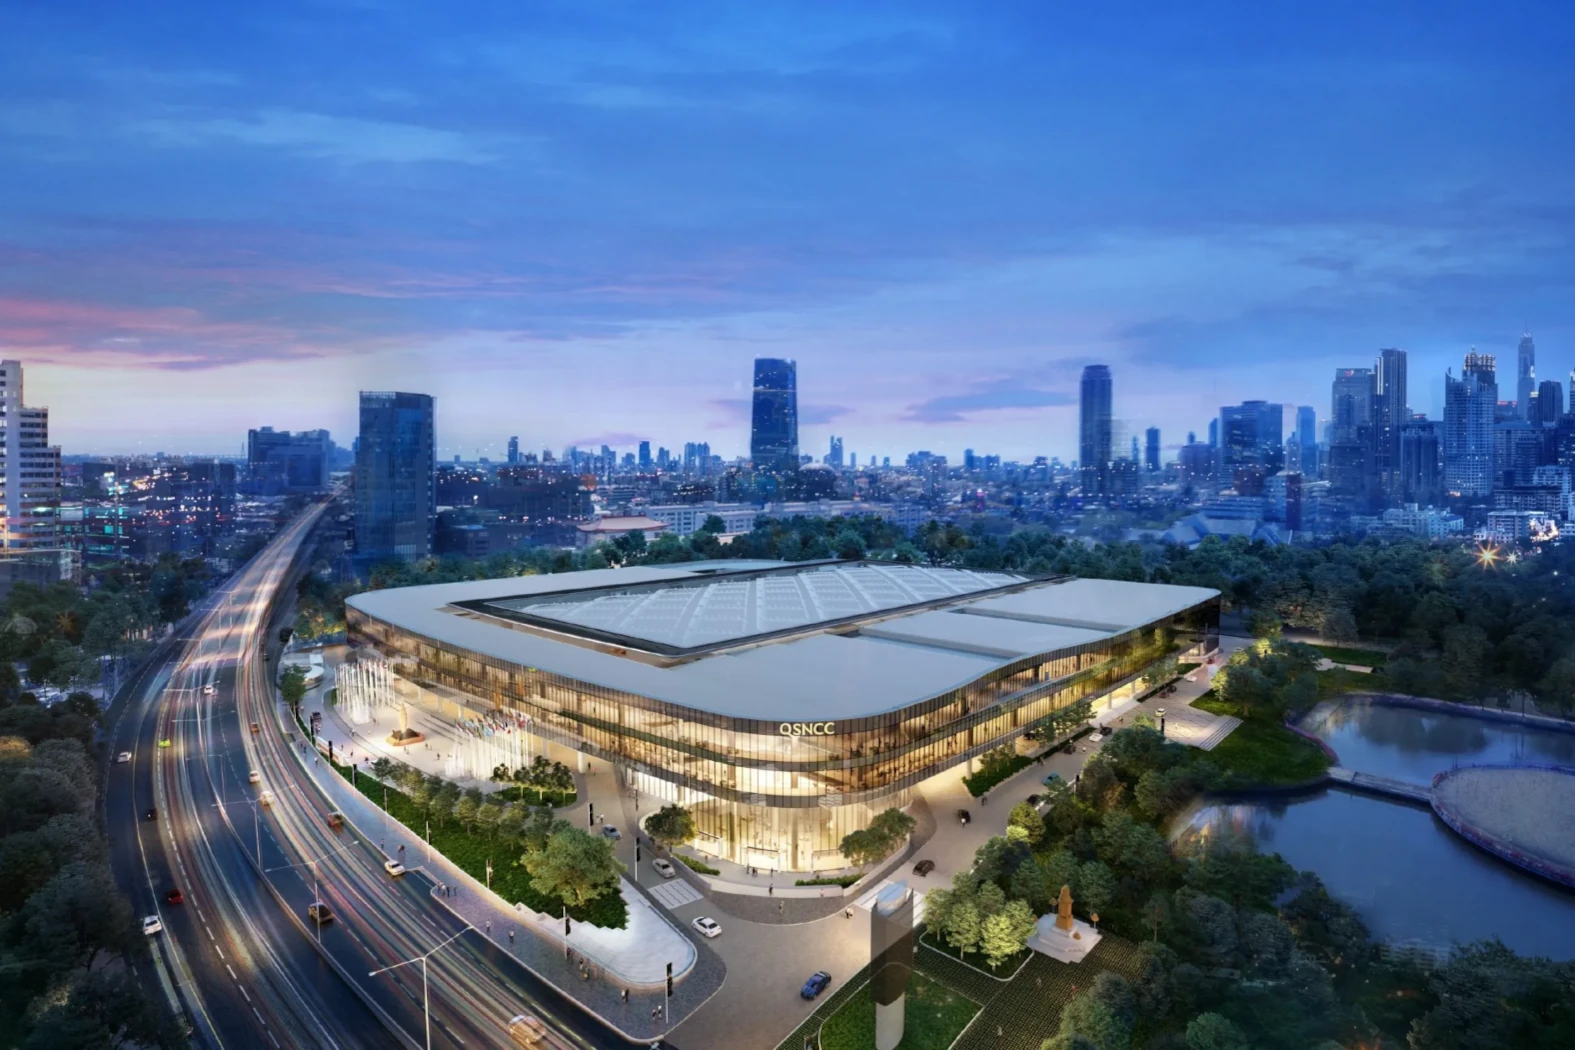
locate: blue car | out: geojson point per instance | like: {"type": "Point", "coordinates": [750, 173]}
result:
{"type": "Point", "coordinates": [816, 984]}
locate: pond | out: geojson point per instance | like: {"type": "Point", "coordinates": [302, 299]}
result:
{"type": "Point", "coordinates": [1411, 878]}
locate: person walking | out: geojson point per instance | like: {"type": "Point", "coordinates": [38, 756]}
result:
{"type": "Point", "coordinates": [511, 938]}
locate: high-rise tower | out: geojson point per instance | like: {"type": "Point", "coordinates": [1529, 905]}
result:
{"type": "Point", "coordinates": [773, 430]}
{"type": "Point", "coordinates": [1469, 404]}
{"type": "Point", "coordinates": [1389, 415]}
{"type": "Point", "coordinates": [396, 459]}
{"type": "Point", "coordinates": [1094, 430]}
{"type": "Point", "coordinates": [29, 471]}
{"type": "Point", "coordinates": [1525, 375]}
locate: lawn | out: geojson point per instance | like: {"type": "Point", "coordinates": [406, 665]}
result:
{"type": "Point", "coordinates": [1265, 753]}
{"type": "Point", "coordinates": [1359, 657]}
{"type": "Point", "coordinates": [1008, 966]}
{"type": "Point", "coordinates": [934, 1016]}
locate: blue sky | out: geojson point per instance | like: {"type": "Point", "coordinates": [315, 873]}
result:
{"type": "Point", "coordinates": [579, 222]}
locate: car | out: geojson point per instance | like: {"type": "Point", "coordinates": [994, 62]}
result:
{"type": "Point", "coordinates": [266, 798]}
{"type": "Point", "coordinates": [175, 896]}
{"type": "Point", "coordinates": [817, 983]}
{"type": "Point", "coordinates": [336, 819]}
{"type": "Point", "coordinates": [1051, 779]}
{"type": "Point", "coordinates": [526, 1030]}
{"type": "Point", "coordinates": [152, 925]}
{"type": "Point", "coordinates": [254, 777]}
{"type": "Point", "coordinates": [1106, 730]}
{"type": "Point", "coordinates": [209, 690]}
{"type": "Point", "coordinates": [256, 728]}
{"type": "Point", "coordinates": [164, 743]}
{"type": "Point", "coordinates": [1034, 800]}
{"type": "Point", "coordinates": [153, 814]}
{"type": "Point", "coordinates": [319, 913]}
{"type": "Point", "coordinates": [963, 816]}
{"type": "Point", "coordinates": [664, 867]}
{"type": "Point", "coordinates": [124, 756]}
{"type": "Point", "coordinates": [394, 868]}
{"type": "Point", "coordinates": [924, 867]}
{"type": "Point", "coordinates": [707, 926]}
{"type": "Point", "coordinates": [611, 832]}
{"type": "Point", "coordinates": [1070, 748]}
{"type": "Point", "coordinates": [1193, 677]}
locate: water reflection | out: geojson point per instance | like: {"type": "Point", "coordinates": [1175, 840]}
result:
{"type": "Point", "coordinates": [1414, 744]}
{"type": "Point", "coordinates": [1410, 877]}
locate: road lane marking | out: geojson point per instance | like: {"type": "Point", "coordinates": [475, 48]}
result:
{"type": "Point", "coordinates": [232, 972]}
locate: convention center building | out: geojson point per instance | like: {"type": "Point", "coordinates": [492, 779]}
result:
{"type": "Point", "coordinates": [783, 703]}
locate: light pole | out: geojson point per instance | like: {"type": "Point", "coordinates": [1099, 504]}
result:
{"type": "Point", "coordinates": [312, 863]}
{"type": "Point", "coordinates": [426, 1006]}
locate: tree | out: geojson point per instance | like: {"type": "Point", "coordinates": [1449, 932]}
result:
{"type": "Point", "coordinates": [1026, 816]}
{"type": "Point", "coordinates": [861, 848]}
{"type": "Point", "coordinates": [487, 816]}
{"type": "Point", "coordinates": [1006, 932]}
{"type": "Point", "coordinates": [964, 925]}
{"type": "Point", "coordinates": [74, 916]}
{"type": "Point", "coordinates": [670, 826]}
{"type": "Point", "coordinates": [1212, 1032]}
{"type": "Point", "coordinates": [1097, 886]}
{"type": "Point", "coordinates": [1087, 1016]}
{"type": "Point", "coordinates": [96, 1009]}
{"type": "Point", "coordinates": [575, 867]}
{"type": "Point", "coordinates": [849, 545]}
{"type": "Point", "coordinates": [890, 827]}
{"type": "Point", "coordinates": [383, 769]}
{"type": "Point", "coordinates": [28, 859]}
{"type": "Point", "coordinates": [465, 811]}
{"type": "Point", "coordinates": [292, 687]}
{"type": "Point", "coordinates": [713, 525]}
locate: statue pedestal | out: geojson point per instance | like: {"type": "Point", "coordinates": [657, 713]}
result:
{"type": "Point", "coordinates": [405, 737]}
{"type": "Point", "coordinates": [1068, 946]}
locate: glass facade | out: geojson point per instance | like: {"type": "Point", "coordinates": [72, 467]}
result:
{"type": "Point", "coordinates": [786, 789]}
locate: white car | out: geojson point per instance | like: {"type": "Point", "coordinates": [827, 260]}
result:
{"type": "Point", "coordinates": [611, 832]}
{"type": "Point", "coordinates": [394, 868]}
{"type": "Point", "coordinates": [1193, 677]}
{"type": "Point", "coordinates": [254, 777]}
{"type": "Point", "coordinates": [209, 690]}
{"type": "Point", "coordinates": [266, 798]}
{"type": "Point", "coordinates": [664, 867]}
{"type": "Point", "coordinates": [152, 925]}
{"type": "Point", "coordinates": [706, 926]}
{"type": "Point", "coordinates": [124, 756]}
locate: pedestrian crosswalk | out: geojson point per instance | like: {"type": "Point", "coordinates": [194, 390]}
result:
{"type": "Point", "coordinates": [675, 893]}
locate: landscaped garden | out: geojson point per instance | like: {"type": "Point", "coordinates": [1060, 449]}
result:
{"type": "Point", "coordinates": [933, 1017]}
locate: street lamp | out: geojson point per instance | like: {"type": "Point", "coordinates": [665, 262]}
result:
{"type": "Point", "coordinates": [426, 1006]}
{"type": "Point", "coordinates": [312, 863]}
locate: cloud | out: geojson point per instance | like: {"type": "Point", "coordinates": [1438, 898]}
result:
{"type": "Point", "coordinates": [1001, 395]}
{"type": "Point", "coordinates": [346, 140]}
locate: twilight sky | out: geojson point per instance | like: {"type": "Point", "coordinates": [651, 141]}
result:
{"type": "Point", "coordinates": [579, 222]}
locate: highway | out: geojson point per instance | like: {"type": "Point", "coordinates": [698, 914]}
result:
{"type": "Point", "coordinates": [248, 966]}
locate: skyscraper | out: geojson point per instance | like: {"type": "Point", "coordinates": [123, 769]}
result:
{"type": "Point", "coordinates": [1389, 413]}
{"type": "Point", "coordinates": [1151, 449]}
{"type": "Point", "coordinates": [1549, 402]}
{"type": "Point", "coordinates": [395, 497]}
{"type": "Point", "coordinates": [1351, 402]}
{"type": "Point", "coordinates": [30, 471]}
{"type": "Point", "coordinates": [1094, 430]}
{"type": "Point", "coordinates": [834, 454]}
{"type": "Point", "coordinates": [514, 451]}
{"type": "Point", "coordinates": [1305, 436]}
{"type": "Point", "coordinates": [1469, 404]}
{"type": "Point", "coordinates": [1250, 444]}
{"type": "Point", "coordinates": [1525, 376]}
{"type": "Point", "coordinates": [278, 461]}
{"type": "Point", "coordinates": [1421, 463]}
{"type": "Point", "coordinates": [645, 455]}
{"type": "Point", "coordinates": [773, 431]}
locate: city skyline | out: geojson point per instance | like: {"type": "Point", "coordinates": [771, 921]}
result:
{"type": "Point", "coordinates": [194, 223]}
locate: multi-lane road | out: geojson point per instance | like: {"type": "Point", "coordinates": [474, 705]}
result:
{"type": "Point", "coordinates": [240, 956]}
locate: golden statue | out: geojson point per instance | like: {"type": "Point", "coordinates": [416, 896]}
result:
{"type": "Point", "coordinates": [1063, 909]}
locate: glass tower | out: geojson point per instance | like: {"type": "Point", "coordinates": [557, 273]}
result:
{"type": "Point", "coordinates": [395, 497]}
{"type": "Point", "coordinates": [773, 431]}
{"type": "Point", "coordinates": [1095, 432]}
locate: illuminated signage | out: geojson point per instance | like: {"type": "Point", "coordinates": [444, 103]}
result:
{"type": "Point", "coordinates": [807, 728]}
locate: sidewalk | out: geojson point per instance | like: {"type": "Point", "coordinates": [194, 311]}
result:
{"type": "Point", "coordinates": [540, 950]}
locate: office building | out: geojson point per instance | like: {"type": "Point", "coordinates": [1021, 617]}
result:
{"type": "Point", "coordinates": [1389, 413]}
{"type": "Point", "coordinates": [1421, 463]}
{"type": "Point", "coordinates": [1250, 444]}
{"type": "Point", "coordinates": [1549, 403]}
{"type": "Point", "coordinates": [1525, 376]}
{"type": "Point", "coordinates": [1350, 403]}
{"type": "Point", "coordinates": [783, 704]}
{"type": "Point", "coordinates": [30, 471]}
{"type": "Point", "coordinates": [645, 455]}
{"type": "Point", "coordinates": [278, 461]}
{"type": "Point", "coordinates": [395, 487]}
{"type": "Point", "coordinates": [1424, 521]}
{"type": "Point", "coordinates": [773, 431]}
{"type": "Point", "coordinates": [834, 455]}
{"type": "Point", "coordinates": [1151, 449]}
{"type": "Point", "coordinates": [1301, 451]}
{"type": "Point", "coordinates": [514, 451]}
{"type": "Point", "coordinates": [1095, 434]}
{"type": "Point", "coordinates": [1470, 403]}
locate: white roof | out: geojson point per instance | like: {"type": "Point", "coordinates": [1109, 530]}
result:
{"type": "Point", "coordinates": [880, 667]}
